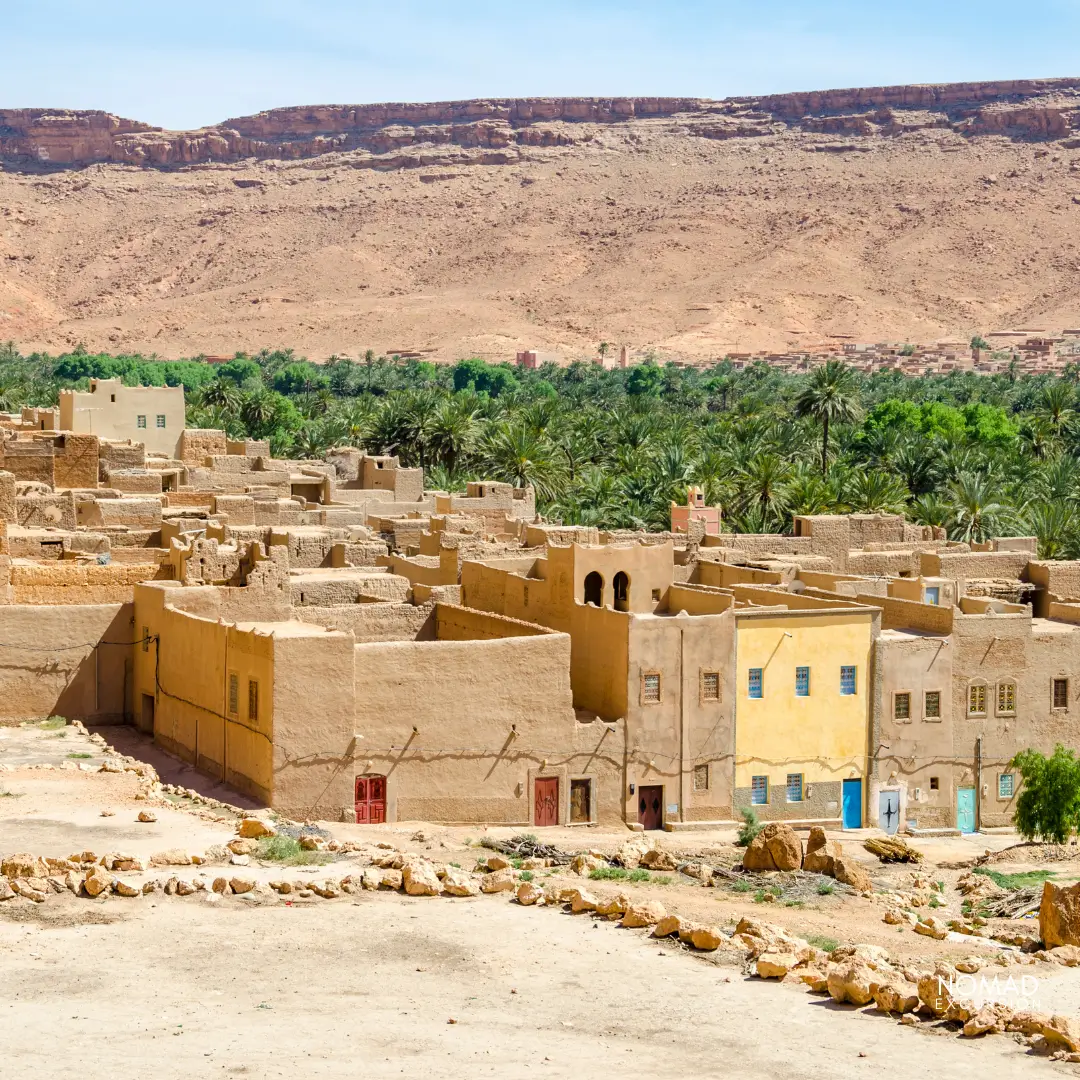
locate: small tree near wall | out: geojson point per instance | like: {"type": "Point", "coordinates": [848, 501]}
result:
{"type": "Point", "coordinates": [1048, 807]}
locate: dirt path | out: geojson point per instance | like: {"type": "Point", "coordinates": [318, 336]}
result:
{"type": "Point", "coordinates": [198, 989]}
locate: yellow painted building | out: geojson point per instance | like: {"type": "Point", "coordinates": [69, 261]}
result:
{"type": "Point", "coordinates": [802, 714]}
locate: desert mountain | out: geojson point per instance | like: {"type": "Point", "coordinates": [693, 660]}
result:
{"type": "Point", "coordinates": [691, 227]}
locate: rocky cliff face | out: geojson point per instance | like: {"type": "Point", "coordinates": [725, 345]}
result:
{"type": "Point", "coordinates": [391, 135]}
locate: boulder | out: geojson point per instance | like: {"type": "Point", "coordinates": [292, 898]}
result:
{"type": "Point", "coordinates": [815, 979]}
{"type": "Point", "coordinates": [646, 913]}
{"type": "Point", "coordinates": [613, 905]}
{"type": "Point", "coordinates": [529, 893]}
{"type": "Point", "coordinates": [630, 854]}
{"type": "Point", "coordinates": [776, 847]}
{"type": "Point", "coordinates": [6, 891]}
{"type": "Point", "coordinates": [820, 852]}
{"type": "Point", "coordinates": [932, 927]}
{"type": "Point", "coordinates": [457, 882]}
{"type": "Point", "coordinates": [936, 994]}
{"type": "Point", "coordinates": [582, 901]}
{"type": "Point", "coordinates": [185, 888]}
{"type": "Point", "coordinates": [22, 865]}
{"type": "Point", "coordinates": [658, 859]}
{"type": "Point", "coordinates": [989, 1020]}
{"type": "Point", "coordinates": [1059, 914]}
{"type": "Point", "coordinates": [221, 885]}
{"type": "Point", "coordinates": [775, 965]}
{"type": "Point", "coordinates": [97, 881]}
{"type": "Point", "coordinates": [706, 938]}
{"type": "Point", "coordinates": [584, 863]}
{"type": "Point", "coordinates": [311, 843]}
{"type": "Point", "coordinates": [497, 862]}
{"type": "Point", "coordinates": [970, 964]}
{"type": "Point", "coordinates": [533, 864]}
{"type": "Point", "coordinates": [171, 857]}
{"type": "Point", "coordinates": [847, 871]}
{"type": "Point", "coordinates": [499, 881]}
{"type": "Point", "coordinates": [668, 925]}
{"type": "Point", "coordinates": [122, 888]}
{"type": "Point", "coordinates": [851, 982]}
{"type": "Point", "coordinates": [703, 872]}
{"type": "Point", "coordinates": [1062, 1031]}
{"type": "Point", "coordinates": [31, 888]}
{"type": "Point", "coordinates": [895, 995]}
{"type": "Point", "coordinates": [243, 847]}
{"type": "Point", "coordinates": [146, 816]}
{"type": "Point", "coordinates": [391, 879]}
{"type": "Point", "coordinates": [419, 878]}
{"type": "Point", "coordinates": [370, 879]}
{"type": "Point", "coordinates": [240, 885]}
{"type": "Point", "coordinates": [1066, 955]}
{"type": "Point", "coordinates": [254, 829]}
{"type": "Point", "coordinates": [284, 888]}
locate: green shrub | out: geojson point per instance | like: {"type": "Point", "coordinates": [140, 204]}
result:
{"type": "Point", "coordinates": [287, 850]}
{"type": "Point", "coordinates": [80, 754]}
{"type": "Point", "coordinates": [820, 941]}
{"type": "Point", "coordinates": [526, 875]}
{"type": "Point", "coordinates": [1048, 806]}
{"type": "Point", "coordinates": [53, 723]}
{"type": "Point", "coordinates": [742, 887]}
{"type": "Point", "coordinates": [1015, 881]}
{"type": "Point", "coordinates": [610, 873]}
{"type": "Point", "coordinates": [749, 828]}
{"type": "Point", "coordinates": [826, 888]}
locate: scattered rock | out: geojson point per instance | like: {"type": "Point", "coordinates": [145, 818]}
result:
{"type": "Point", "coordinates": [647, 913]}
{"type": "Point", "coordinates": [529, 894]}
{"type": "Point", "coordinates": [583, 863]}
{"type": "Point", "coordinates": [658, 859]}
{"type": "Point", "coordinates": [815, 979]}
{"type": "Point", "coordinates": [221, 885]}
{"type": "Point", "coordinates": [820, 852]}
{"type": "Point", "coordinates": [243, 847]}
{"type": "Point", "coordinates": [241, 885]}
{"type": "Point", "coordinates": [989, 1020]}
{"type": "Point", "coordinates": [1059, 914]}
{"type": "Point", "coordinates": [776, 847]}
{"type": "Point", "coordinates": [122, 888]}
{"type": "Point", "coordinates": [932, 927]}
{"type": "Point", "coordinates": [935, 993]}
{"type": "Point", "coordinates": [851, 982]}
{"type": "Point", "coordinates": [668, 925]}
{"type": "Point", "coordinates": [419, 878]}
{"type": "Point", "coordinates": [497, 862]}
{"type": "Point", "coordinates": [775, 965]}
{"type": "Point", "coordinates": [895, 996]}
{"type": "Point", "coordinates": [240, 860]}
{"type": "Point", "coordinates": [254, 829]}
{"type": "Point", "coordinates": [613, 905]}
{"type": "Point", "coordinates": [706, 938]}
{"type": "Point", "coordinates": [22, 865]}
{"type": "Point", "coordinates": [284, 888]}
{"type": "Point", "coordinates": [499, 881]}
{"type": "Point", "coordinates": [391, 879]}
{"type": "Point", "coordinates": [370, 879]}
{"type": "Point", "coordinates": [581, 900]}
{"type": "Point", "coordinates": [630, 854]}
{"type": "Point", "coordinates": [6, 891]}
{"type": "Point", "coordinates": [457, 882]}
{"type": "Point", "coordinates": [847, 871]}
{"type": "Point", "coordinates": [146, 816]}
{"type": "Point", "coordinates": [171, 857]}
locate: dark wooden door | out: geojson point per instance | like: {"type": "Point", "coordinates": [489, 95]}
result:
{"type": "Point", "coordinates": [651, 807]}
{"type": "Point", "coordinates": [370, 800]}
{"type": "Point", "coordinates": [547, 801]}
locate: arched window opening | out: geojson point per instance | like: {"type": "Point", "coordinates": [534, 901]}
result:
{"type": "Point", "coordinates": [594, 589]}
{"type": "Point", "coordinates": [621, 584]}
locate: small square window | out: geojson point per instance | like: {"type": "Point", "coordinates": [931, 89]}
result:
{"type": "Point", "coordinates": [710, 686]}
{"type": "Point", "coordinates": [1061, 693]}
{"type": "Point", "coordinates": [253, 700]}
{"type": "Point", "coordinates": [650, 690]}
{"type": "Point", "coordinates": [656, 594]}
{"type": "Point", "coordinates": [977, 700]}
{"type": "Point", "coordinates": [902, 706]}
{"type": "Point", "coordinates": [847, 681]}
{"type": "Point", "coordinates": [802, 682]}
{"type": "Point", "coordinates": [140, 421]}
{"type": "Point", "coordinates": [794, 787]}
{"type": "Point", "coordinates": [934, 783]}
{"type": "Point", "coordinates": [755, 682]}
{"type": "Point", "coordinates": [759, 790]}
{"type": "Point", "coordinates": [1005, 785]}
{"type": "Point", "coordinates": [160, 420]}
{"type": "Point", "coordinates": [932, 705]}
{"type": "Point", "coordinates": [701, 777]}
{"type": "Point", "coordinates": [234, 694]}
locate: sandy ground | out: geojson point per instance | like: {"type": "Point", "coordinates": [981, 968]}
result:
{"type": "Point", "coordinates": [193, 989]}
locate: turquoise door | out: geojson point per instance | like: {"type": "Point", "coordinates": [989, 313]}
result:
{"type": "Point", "coordinates": [852, 807]}
{"type": "Point", "coordinates": [965, 809]}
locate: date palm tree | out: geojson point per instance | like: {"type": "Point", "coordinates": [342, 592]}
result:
{"type": "Point", "coordinates": [830, 397]}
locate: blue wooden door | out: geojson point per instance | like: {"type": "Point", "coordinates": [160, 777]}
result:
{"type": "Point", "coordinates": [965, 809]}
{"type": "Point", "coordinates": [852, 808]}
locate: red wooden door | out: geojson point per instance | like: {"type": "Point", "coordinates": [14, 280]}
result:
{"type": "Point", "coordinates": [547, 801]}
{"type": "Point", "coordinates": [651, 807]}
{"type": "Point", "coordinates": [370, 800]}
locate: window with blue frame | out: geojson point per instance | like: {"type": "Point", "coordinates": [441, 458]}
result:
{"type": "Point", "coordinates": [759, 790]}
{"type": "Point", "coordinates": [794, 787]}
{"type": "Point", "coordinates": [755, 682]}
{"type": "Point", "coordinates": [802, 682]}
{"type": "Point", "coordinates": [1005, 785]}
{"type": "Point", "coordinates": [847, 680]}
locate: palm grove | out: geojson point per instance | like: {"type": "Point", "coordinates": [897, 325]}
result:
{"type": "Point", "coordinates": [979, 455]}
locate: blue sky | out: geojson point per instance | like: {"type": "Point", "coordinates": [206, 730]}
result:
{"type": "Point", "coordinates": [188, 63]}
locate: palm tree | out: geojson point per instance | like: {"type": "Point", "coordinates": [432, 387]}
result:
{"type": "Point", "coordinates": [876, 492]}
{"type": "Point", "coordinates": [517, 456]}
{"type": "Point", "coordinates": [830, 397]}
{"type": "Point", "coordinates": [976, 512]}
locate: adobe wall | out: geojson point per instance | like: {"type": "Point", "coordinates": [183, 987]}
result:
{"type": "Point", "coordinates": [1061, 578]}
{"type": "Point", "coordinates": [197, 444]}
{"type": "Point", "coordinates": [909, 752]}
{"type": "Point", "coordinates": [75, 461]}
{"type": "Point", "coordinates": [56, 511]}
{"type": "Point", "coordinates": [314, 714]}
{"type": "Point", "coordinates": [455, 623]}
{"type": "Point", "coordinates": [974, 564]}
{"type": "Point", "coordinates": [697, 600]}
{"type": "Point", "coordinates": [724, 575]}
{"type": "Point", "coordinates": [883, 563]}
{"type": "Point", "coordinates": [371, 622]}
{"type": "Point", "coordinates": [899, 614]}
{"type": "Point", "coordinates": [598, 660]}
{"type": "Point", "coordinates": [465, 762]}
{"type": "Point", "coordinates": [116, 454]}
{"type": "Point", "coordinates": [668, 739]}
{"type": "Point", "coordinates": [72, 662]}
{"type": "Point", "coordinates": [73, 584]}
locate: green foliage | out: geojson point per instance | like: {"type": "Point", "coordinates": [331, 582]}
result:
{"type": "Point", "coordinates": [619, 873]}
{"type": "Point", "coordinates": [1022, 880]}
{"type": "Point", "coordinates": [750, 827]}
{"type": "Point", "coordinates": [526, 875]}
{"type": "Point", "coordinates": [475, 375]}
{"type": "Point", "coordinates": [80, 754]}
{"type": "Point", "coordinates": [287, 851]}
{"type": "Point", "coordinates": [1048, 806]}
{"type": "Point", "coordinates": [979, 342]}
{"type": "Point", "coordinates": [645, 380]}
{"type": "Point", "coordinates": [826, 888]}
{"type": "Point", "coordinates": [820, 941]}
{"type": "Point", "coordinates": [742, 887]}
{"type": "Point", "coordinates": [52, 723]}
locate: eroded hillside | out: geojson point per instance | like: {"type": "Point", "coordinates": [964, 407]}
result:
{"type": "Point", "coordinates": [692, 227]}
